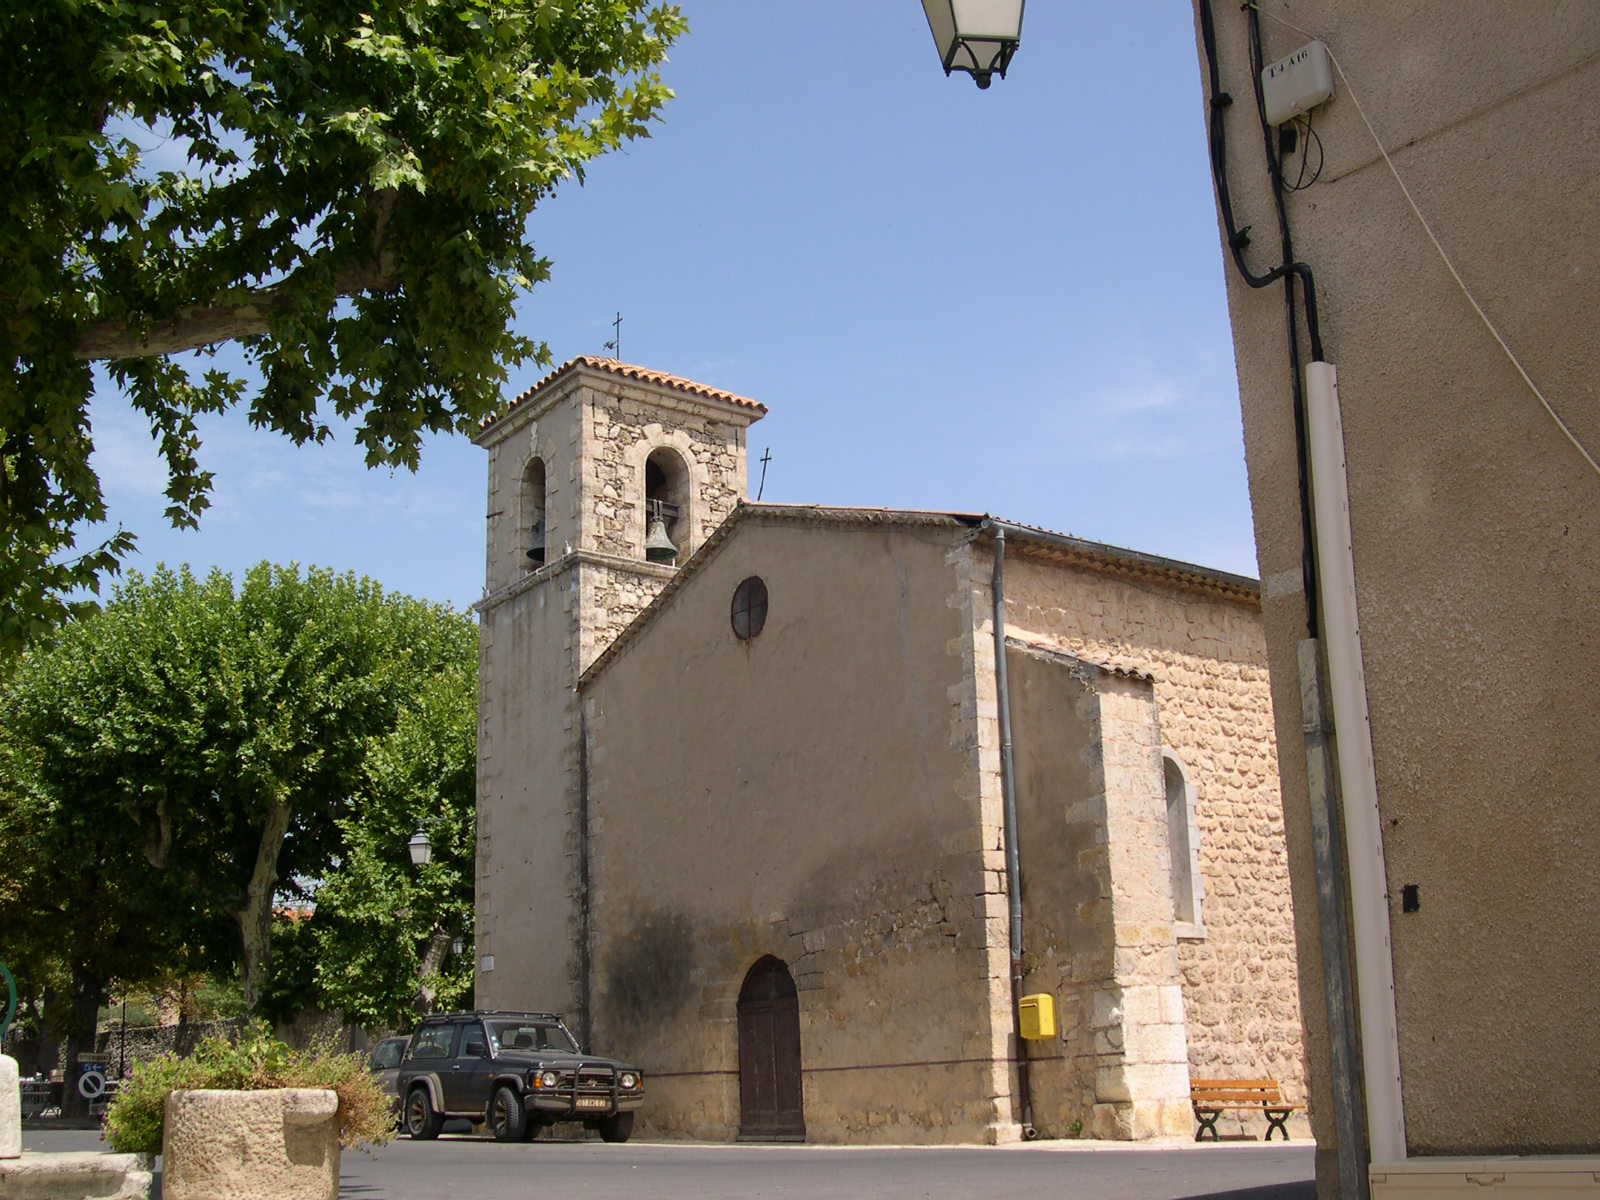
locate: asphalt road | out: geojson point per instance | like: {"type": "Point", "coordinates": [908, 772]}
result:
{"type": "Point", "coordinates": [468, 1168]}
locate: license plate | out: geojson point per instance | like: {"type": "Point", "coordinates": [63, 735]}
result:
{"type": "Point", "coordinates": [593, 1102]}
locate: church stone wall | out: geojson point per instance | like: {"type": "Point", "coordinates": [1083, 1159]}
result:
{"type": "Point", "coordinates": [540, 627]}
{"type": "Point", "coordinates": [1207, 657]}
{"type": "Point", "coordinates": [625, 423]}
{"type": "Point", "coordinates": [744, 803]}
{"type": "Point", "coordinates": [528, 797]}
{"type": "Point", "coordinates": [1097, 904]}
{"type": "Point", "coordinates": [614, 593]}
{"type": "Point", "coordinates": [550, 431]}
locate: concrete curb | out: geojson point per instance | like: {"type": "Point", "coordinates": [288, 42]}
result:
{"type": "Point", "coordinates": [1046, 1146]}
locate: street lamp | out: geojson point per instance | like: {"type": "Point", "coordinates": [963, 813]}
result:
{"type": "Point", "coordinates": [976, 36]}
{"type": "Point", "coordinates": [420, 848]}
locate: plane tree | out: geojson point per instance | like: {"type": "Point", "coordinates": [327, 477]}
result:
{"type": "Point", "coordinates": [341, 188]}
{"type": "Point", "coordinates": [382, 945]}
{"type": "Point", "coordinates": [179, 766]}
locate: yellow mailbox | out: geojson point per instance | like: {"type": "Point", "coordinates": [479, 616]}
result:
{"type": "Point", "coordinates": [1037, 1016]}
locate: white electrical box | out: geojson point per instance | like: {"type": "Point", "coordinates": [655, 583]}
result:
{"type": "Point", "coordinates": [1297, 83]}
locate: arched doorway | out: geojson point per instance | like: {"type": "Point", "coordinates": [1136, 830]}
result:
{"type": "Point", "coordinates": [769, 1055]}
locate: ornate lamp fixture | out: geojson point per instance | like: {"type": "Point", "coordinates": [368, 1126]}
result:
{"type": "Point", "coordinates": [976, 36]}
{"type": "Point", "coordinates": [420, 848]}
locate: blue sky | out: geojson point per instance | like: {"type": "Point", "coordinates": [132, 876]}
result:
{"type": "Point", "coordinates": [1007, 301]}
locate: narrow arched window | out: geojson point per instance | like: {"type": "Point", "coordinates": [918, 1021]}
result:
{"type": "Point", "coordinates": [666, 506]}
{"type": "Point", "coordinates": [531, 521]}
{"type": "Point", "coordinates": [1183, 846]}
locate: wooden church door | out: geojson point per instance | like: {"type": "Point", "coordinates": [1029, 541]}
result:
{"type": "Point", "coordinates": [769, 1055]}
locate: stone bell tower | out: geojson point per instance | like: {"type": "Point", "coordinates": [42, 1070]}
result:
{"type": "Point", "coordinates": [602, 477]}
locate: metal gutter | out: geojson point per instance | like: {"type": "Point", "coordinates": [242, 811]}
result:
{"type": "Point", "coordinates": [1103, 551]}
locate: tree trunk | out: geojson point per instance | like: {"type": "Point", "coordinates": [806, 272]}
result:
{"type": "Point", "coordinates": [255, 918]}
{"type": "Point", "coordinates": [432, 960]}
{"type": "Point", "coordinates": [184, 1039]}
{"type": "Point", "coordinates": [88, 992]}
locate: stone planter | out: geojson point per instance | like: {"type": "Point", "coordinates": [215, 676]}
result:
{"type": "Point", "coordinates": [281, 1144]}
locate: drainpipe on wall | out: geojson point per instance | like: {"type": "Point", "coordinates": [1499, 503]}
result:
{"type": "Point", "coordinates": [1008, 790]}
{"type": "Point", "coordinates": [585, 963]}
{"type": "Point", "coordinates": [1333, 922]}
{"type": "Point", "coordinates": [1369, 902]}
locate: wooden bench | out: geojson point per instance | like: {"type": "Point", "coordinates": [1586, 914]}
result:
{"type": "Point", "coordinates": [1213, 1097]}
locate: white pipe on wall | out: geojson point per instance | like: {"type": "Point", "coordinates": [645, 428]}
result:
{"type": "Point", "coordinates": [1369, 899]}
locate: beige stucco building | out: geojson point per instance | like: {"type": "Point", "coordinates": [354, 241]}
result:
{"type": "Point", "coordinates": [1476, 560]}
{"type": "Point", "coordinates": [745, 814]}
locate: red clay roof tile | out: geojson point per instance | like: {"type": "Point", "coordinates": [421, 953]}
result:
{"type": "Point", "coordinates": [628, 371]}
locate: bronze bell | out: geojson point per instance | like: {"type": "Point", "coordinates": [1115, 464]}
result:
{"type": "Point", "coordinates": [658, 547]}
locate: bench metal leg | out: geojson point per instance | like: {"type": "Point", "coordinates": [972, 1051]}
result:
{"type": "Point", "coordinates": [1208, 1120]}
{"type": "Point", "coordinates": [1275, 1120]}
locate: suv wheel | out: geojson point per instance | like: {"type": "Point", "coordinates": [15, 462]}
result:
{"type": "Point", "coordinates": [422, 1123]}
{"type": "Point", "coordinates": [618, 1128]}
{"type": "Point", "coordinates": [508, 1120]}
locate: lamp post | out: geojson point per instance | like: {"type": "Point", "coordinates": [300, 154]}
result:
{"type": "Point", "coordinates": [976, 36]}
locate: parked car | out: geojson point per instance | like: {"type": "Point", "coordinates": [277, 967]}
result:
{"type": "Point", "coordinates": [517, 1072]}
{"type": "Point", "coordinates": [385, 1066]}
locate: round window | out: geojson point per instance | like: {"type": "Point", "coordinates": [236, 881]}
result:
{"type": "Point", "coordinates": [749, 612]}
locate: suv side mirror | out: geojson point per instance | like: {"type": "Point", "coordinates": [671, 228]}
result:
{"type": "Point", "coordinates": [477, 1050]}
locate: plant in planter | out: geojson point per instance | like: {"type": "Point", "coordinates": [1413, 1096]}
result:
{"type": "Point", "coordinates": [250, 1119]}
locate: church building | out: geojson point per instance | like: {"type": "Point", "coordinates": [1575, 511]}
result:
{"type": "Point", "coordinates": [744, 775]}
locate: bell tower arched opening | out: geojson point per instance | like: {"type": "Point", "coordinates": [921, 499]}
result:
{"type": "Point", "coordinates": [666, 506]}
{"type": "Point", "coordinates": [531, 520]}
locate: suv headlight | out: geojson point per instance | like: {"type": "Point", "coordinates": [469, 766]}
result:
{"type": "Point", "coordinates": [628, 1080]}
{"type": "Point", "coordinates": [546, 1079]}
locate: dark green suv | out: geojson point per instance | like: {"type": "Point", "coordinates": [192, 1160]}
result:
{"type": "Point", "coordinates": [517, 1072]}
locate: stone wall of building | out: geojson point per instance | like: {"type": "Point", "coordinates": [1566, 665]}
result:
{"type": "Point", "coordinates": [756, 805]}
{"type": "Point", "coordinates": [612, 593]}
{"type": "Point", "coordinates": [975, 708]}
{"type": "Point", "coordinates": [541, 626]}
{"type": "Point", "coordinates": [1141, 1067]}
{"type": "Point", "coordinates": [527, 926]}
{"type": "Point", "coordinates": [1097, 911]}
{"type": "Point", "coordinates": [1206, 656]}
{"type": "Point", "coordinates": [548, 430]}
{"type": "Point", "coordinates": [625, 422]}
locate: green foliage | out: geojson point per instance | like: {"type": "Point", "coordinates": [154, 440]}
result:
{"type": "Point", "coordinates": [198, 749]}
{"type": "Point", "coordinates": [378, 917]}
{"type": "Point", "coordinates": [377, 949]}
{"type": "Point", "coordinates": [219, 998]}
{"type": "Point", "coordinates": [352, 211]}
{"type": "Point", "coordinates": [194, 996]}
{"type": "Point", "coordinates": [136, 1117]}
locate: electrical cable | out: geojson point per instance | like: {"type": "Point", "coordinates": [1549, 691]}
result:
{"type": "Point", "coordinates": [1311, 138]}
{"type": "Point", "coordinates": [1308, 543]}
{"type": "Point", "coordinates": [1428, 229]}
{"type": "Point", "coordinates": [1239, 238]}
{"type": "Point", "coordinates": [1289, 271]}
